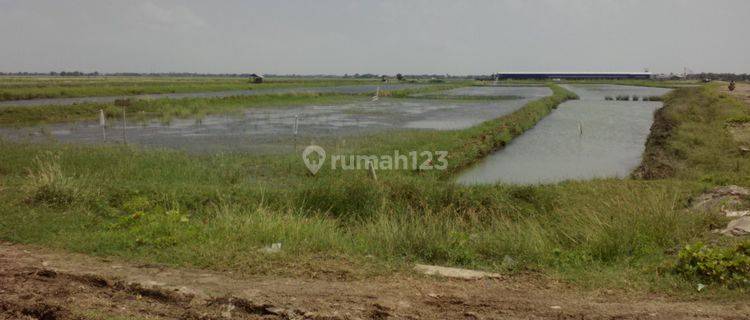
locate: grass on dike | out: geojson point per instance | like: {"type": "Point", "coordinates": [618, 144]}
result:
{"type": "Point", "coordinates": [167, 109]}
{"type": "Point", "coordinates": [22, 88]}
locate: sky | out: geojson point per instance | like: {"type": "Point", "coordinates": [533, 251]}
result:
{"type": "Point", "coordinates": [381, 37]}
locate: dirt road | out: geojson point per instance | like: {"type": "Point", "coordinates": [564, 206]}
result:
{"type": "Point", "coordinates": [40, 284]}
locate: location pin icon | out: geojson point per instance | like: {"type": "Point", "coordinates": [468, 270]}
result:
{"type": "Point", "coordinates": [314, 166]}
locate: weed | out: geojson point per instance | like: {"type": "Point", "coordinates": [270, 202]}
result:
{"type": "Point", "coordinates": [715, 265]}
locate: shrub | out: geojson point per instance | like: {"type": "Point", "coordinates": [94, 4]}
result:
{"type": "Point", "coordinates": [725, 266]}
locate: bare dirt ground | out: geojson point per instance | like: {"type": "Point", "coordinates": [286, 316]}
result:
{"type": "Point", "coordinates": [37, 283]}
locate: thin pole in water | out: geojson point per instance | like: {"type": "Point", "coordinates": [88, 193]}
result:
{"type": "Point", "coordinates": [103, 124]}
{"type": "Point", "coordinates": [296, 128]}
{"type": "Point", "coordinates": [124, 126]}
{"type": "Point", "coordinates": [580, 129]}
{"type": "Point", "coordinates": [296, 124]}
{"type": "Point", "coordinates": [123, 103]}
{"type": "Point", "coordinates": [294, 138]}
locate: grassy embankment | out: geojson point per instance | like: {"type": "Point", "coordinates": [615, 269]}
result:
{"type": "Point", "coordinates": [691, 141]}
{"type": "Point", "coordinates": [20, 88]}
{"type": "Point", "coordinates": [217, 211]}
{"type": "Point", "coordinates": [165, 108]}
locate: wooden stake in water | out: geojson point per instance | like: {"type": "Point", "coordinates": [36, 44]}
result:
{"type": "Point", "coordinates": [296, 127]}
{"type": "Point", "coordinates": [580, 129]}
{"type": "Point", "coordinates": [103, 124]}
{"type": "Point", "coordinates": [124, 127]}
{"type": "Point", "coordinates": [296, 124]}
{"type": "Point", "coordinates": [123, 103]}
{"type": "Point", "coordinates": [294, 138]}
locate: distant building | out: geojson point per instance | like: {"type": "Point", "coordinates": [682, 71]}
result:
{"type": "Point", "coordinates": [572, 75]}
{"type": "Point", "coordinates": [256, 78]}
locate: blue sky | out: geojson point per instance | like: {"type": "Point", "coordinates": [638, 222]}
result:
{"type": "Point", "coordinates": [337, 37]}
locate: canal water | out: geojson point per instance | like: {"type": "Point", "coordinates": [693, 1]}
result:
{"type": "Point", "coordinates": [582, 139]}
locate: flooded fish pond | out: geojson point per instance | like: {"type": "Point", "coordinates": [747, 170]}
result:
{"type": "Point", "coordinates": [272, 130]}
{"type": "Point", "coordinates": [582, 139]}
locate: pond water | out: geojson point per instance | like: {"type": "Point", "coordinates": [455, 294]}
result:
{"type": "Point", "coordinates": [350, 89]}
{"type": "Point", "coordinates": [581, 139]}
{"type": "Point", "coordinates": [271, 130]}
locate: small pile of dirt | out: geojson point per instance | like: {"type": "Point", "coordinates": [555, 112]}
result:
{"type": "Point", "coordinates": [729, 201]}
{"type": "Point", "coordinates": [724, 199]}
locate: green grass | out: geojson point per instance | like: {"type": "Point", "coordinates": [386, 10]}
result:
{"type": "Point", "coordinates": [20, 88]}
{"type": "Point", "coordinates": [38, 87]}
{"type": "Point", "coordinates": [697, 146]}
{"type": "Point", "coordinates": [166, 108]}
{"type": "Point", "coordinates": [217, 211]}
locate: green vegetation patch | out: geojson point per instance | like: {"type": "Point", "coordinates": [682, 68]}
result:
{"type": "Point", "coordinates": [23, 88]}
{"type": "Point", "coordinates": [166, 108]}
{"type": "Point", "coordinates": [728, 266]}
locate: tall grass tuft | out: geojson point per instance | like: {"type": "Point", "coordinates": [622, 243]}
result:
{"type": "Point", "coordinates": [46, 183]}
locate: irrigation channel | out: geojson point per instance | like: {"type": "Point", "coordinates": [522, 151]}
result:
{"type": "Point", "coordinates": [349, 89]}
{"type": "Point", "coordinates": [272, 130]}
{"type": "Point", "coordinates": [582, 139]}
